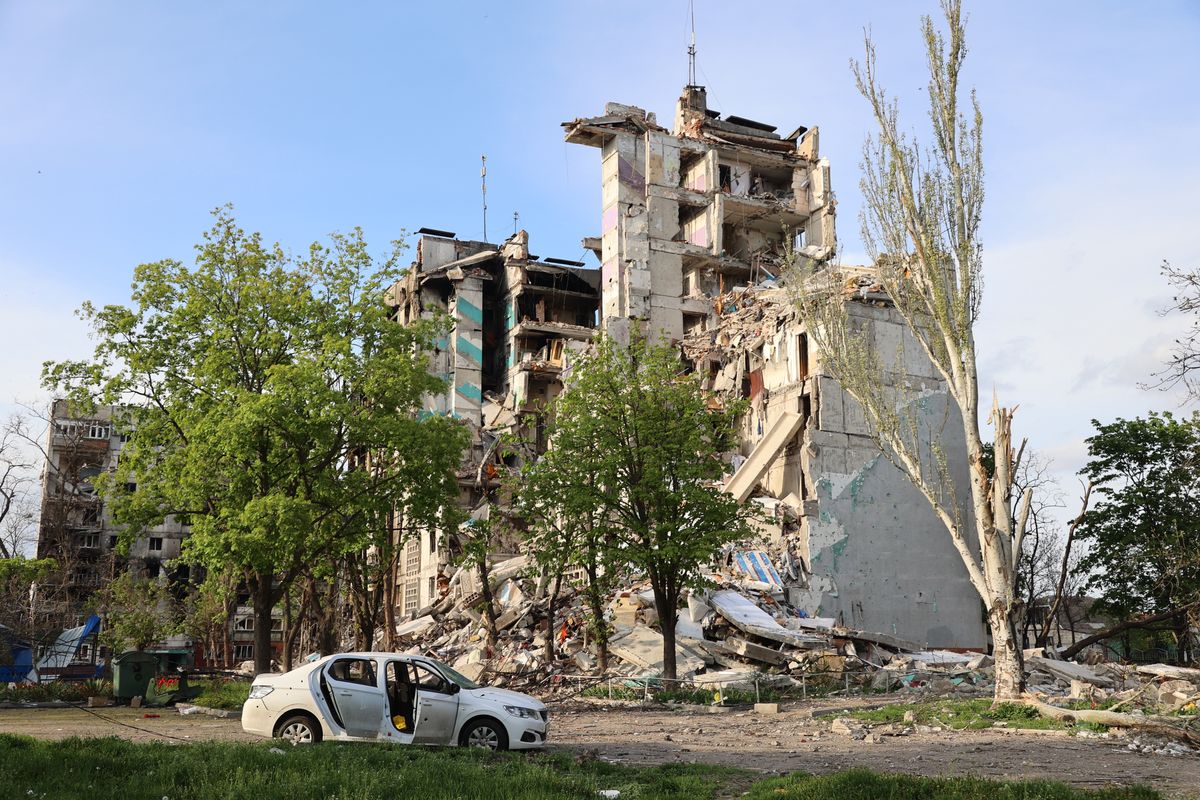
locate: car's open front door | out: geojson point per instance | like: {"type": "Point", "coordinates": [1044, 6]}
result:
{"type": "Point", "coordinates": [358, 699]}
{"type": "Point", "coordinates": [437, 707]}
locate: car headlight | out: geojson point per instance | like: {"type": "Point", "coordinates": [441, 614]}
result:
{"type": "Point", "coordinates": [524, 713]}
{"type": "Point", "coordinates": [259, 692]}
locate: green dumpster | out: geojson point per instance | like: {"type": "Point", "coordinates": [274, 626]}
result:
{"type": "Point", "coordinates": [132, 673]}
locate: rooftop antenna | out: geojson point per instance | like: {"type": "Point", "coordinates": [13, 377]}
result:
{"type": "Point", "coordinates": [692, 46]}
{"type": "Point", "coordinates": [483, 179]}
{"type": "Point", "coordinates": [516, 217]}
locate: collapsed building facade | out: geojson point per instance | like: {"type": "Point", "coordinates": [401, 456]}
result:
{"type": "Point", "coordinates": [514, 320]}
{"type": "Point", "coordinates": [697, 227]}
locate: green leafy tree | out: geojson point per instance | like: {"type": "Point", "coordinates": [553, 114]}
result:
{"type": "Point", "coordinates": [272, 400]}
{"type": "Point", "coordinates": [1144, 532]}
{"type": "Point", "coordinates": [554, 495]}
{"type": "Point", "coordinates": [643, 445]}
{"type": "Point", "coordinates": [137, 612]}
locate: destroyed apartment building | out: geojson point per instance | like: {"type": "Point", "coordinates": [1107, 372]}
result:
{"type": "Point", "coordinates": [695, 228]}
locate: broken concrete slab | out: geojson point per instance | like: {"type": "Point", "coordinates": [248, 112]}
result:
{"type": "Point", "coordinates": [643, 647]}
{"type": "Point", "coordinates": [415, 627]}
{"type": "Point", "coordinates": [755, 652]}
{"type": "Point", "coordinates": [1169, 671]}
{"type": "Point", "coordinates": [749, 618]}
{"type": "Point", "coordinates": [1069, 671]}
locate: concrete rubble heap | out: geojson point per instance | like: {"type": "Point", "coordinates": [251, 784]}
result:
{"type": "Point", "coordinates": [740, 631]}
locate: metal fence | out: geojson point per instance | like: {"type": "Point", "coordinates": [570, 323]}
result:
{"type": "Point", "coordinates": [802, 685]}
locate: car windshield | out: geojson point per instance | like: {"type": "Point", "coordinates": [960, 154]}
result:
{"type": "Point", "coordinates": [456, 676]}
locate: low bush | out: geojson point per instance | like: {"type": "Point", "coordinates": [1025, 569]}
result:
{"type": "Point", "coordinates": [228, 695]}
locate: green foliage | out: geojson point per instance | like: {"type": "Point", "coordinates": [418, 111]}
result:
{"type": "Point", "coordinates": [228, 695]}
{"type": "Point", "coordinates": [114, 768]}
{"type": "Point", "coordinates": [54, 691]}
{"type": "Point", "coordinates": [17, 573]}
{"type": "Point", "coordinates": [275, 404]}
{"type": "Point", "coordinates": [859, 784]}
{"type": "Point", "coordinates": [963, 715]}
{"type": "Point", "coordinates": [634, 461]}
{"type": "Point", "coordinates": [1142, 534]}
{"type": "Point", "coordinates": [137, 613]}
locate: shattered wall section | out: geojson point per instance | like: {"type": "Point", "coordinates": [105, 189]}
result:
{"type": "Point", "coordinates": [870, 551]}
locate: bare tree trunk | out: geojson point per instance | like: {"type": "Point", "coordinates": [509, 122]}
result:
{"type": "Point", "coordinates": [598, 626]}
{"type": "Point", "coordinates": [288, 624]}
{"type": "Point", "coordinates": [1006, 650]}
{"type": "Point", "coordinates": [550, 609]}
{"type": "Point", "coordinates": [489, 605]}
{"type": "Point", "coordinates": [263, 596]}
{"type": "Point", "coordinates": [389, 600]}
{"type": "Point", "coordinates": [1064, 571]}
{"type": "Point", "coordinates": [665, 602]}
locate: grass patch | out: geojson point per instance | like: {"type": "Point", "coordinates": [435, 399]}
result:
{"type": "Point", "coordinates": [863, 785]}
{"type": "Point", "coordinates": [227, 695]}
{"type": "Point", "coordinates": [967, 715]}
{"type": "Point", "coordinates": [63, 691]}
{"type": "Point", "coordinates": [115, 768]}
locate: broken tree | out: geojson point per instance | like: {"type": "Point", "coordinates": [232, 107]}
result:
{"type": "Point", "coordinates": [920, 223]}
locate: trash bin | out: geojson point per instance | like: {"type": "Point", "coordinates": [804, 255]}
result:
{"type": "Point", "coordinates": [132, 673]}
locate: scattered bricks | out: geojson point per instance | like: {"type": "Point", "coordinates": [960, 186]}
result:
{"type": "Point", "coordinates": [766, 708]}
{"type": "Point", "coordinates": [841, 727]}
{"type": "Point", "coordinates": [97, 702]}
{"type": "Point", "coordinates": [135, 702]}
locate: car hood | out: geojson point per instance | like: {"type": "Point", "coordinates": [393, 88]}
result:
{"type": "Point", "coordinates": [505, 697]}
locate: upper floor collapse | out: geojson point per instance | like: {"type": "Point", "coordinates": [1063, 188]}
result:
{"type": "Point", "coordinates": [688, 215]}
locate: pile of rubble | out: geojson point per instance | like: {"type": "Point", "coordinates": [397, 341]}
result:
{"type": "Point", "coordinates": [740, 632]}
{"type": "Point", "coordinates": [1158, 688]}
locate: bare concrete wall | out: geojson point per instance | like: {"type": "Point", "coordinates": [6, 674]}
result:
{"type": "Point", "coordinates": [880, 559]}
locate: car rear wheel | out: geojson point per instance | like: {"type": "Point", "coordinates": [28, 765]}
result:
{"type": "Point", "coordinates": [484, 732]}
{"type": "Point", "coordinates": [299, 729]}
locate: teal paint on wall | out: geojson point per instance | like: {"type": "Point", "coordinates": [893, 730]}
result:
{"type": "Point", "coordinates": [469, 350]}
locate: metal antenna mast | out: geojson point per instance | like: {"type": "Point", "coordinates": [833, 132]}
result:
{"type": "Point", "coordinates": [516, 217]}
{"type": "Point", "coordinates": [483, 179]}
{"type": "Point", "coordinates": [692, 46]}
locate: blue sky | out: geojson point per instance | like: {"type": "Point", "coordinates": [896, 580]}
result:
{"type": "Point", "coordinates": [122, 124]}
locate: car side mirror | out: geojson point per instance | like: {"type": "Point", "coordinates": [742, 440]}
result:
{"type": "Point", "coordinates": [455, 688]}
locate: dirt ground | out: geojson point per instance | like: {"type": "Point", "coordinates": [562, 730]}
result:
{"type": "Point", "coordinates": [786, 742]}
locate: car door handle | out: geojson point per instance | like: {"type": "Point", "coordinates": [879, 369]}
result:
{"type": "Point", "coordinates": [346, 694]}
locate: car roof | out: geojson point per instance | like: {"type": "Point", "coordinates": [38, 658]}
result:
{"type": "Point", "coordinates": [373, 654]}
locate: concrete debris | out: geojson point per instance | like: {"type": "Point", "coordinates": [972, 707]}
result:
{"type": "Point", "coordinates": [1168, 671]}
{"type": "Point", "coordinates": [1069, 671]}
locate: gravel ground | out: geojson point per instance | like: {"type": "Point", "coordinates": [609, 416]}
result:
{"type": "Point", "coordinates": [771, 743]}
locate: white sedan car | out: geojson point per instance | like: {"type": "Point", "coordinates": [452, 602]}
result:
{"type": "Point", "coordinates": [391, 697]}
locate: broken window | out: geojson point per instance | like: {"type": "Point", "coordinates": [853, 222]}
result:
{"type": "Point", "coordinates": [411, 591]}
{"type": "Point", "coordinates": [802, 349]}
{"type": "Point", "coordinates": [412, 556]}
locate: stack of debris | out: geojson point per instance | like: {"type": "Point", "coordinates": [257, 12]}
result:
{"type": "Point", "coordinates": [740, 632]}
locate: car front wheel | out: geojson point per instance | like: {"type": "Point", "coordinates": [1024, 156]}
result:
{"type": "Point", "coordinates": [484, 732]}
{"type": "Point", "coordinates": [299, 729]}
